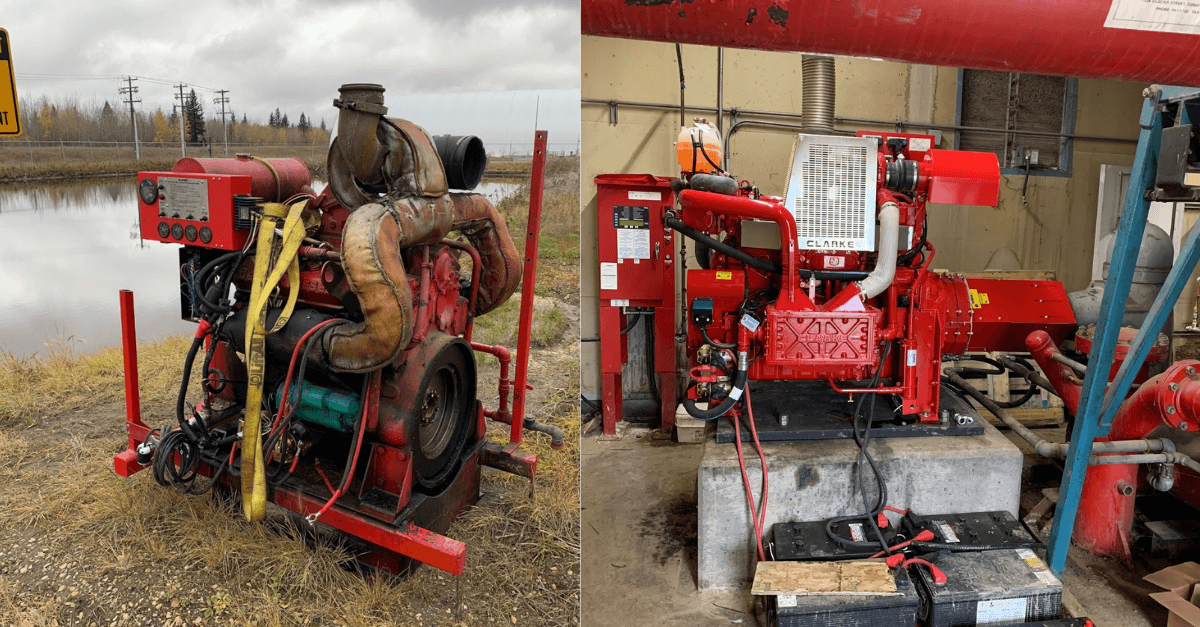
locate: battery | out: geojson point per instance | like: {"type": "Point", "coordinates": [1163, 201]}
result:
{"type": "Point", "coordinates": [1059, 622]}
{"type": "Point", "coordinates": [1002, 586]}
{"type": "Point", "coordinates": [849, 610]}
{"type": "Point", "coordinates": [808, 540]}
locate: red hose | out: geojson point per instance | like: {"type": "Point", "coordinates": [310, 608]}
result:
{"type": "Point", "coordinates": [737, 441]}
{"type": "Point", "coordinates": [349, 478]}
{"type": "Point", "coordinates": [287, 382]}
{"type": "Point", "coordinates": [758, 516]}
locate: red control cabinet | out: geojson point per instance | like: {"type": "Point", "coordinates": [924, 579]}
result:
{"type": "Point", "coordinates": [201, 210]}
{"type": "Point", "coordinates": [637, 270]}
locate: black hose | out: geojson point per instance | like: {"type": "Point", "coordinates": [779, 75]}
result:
{"type": "Point", "coordinates": [722, 247]}
{"type": "Point", "coordinates": [637, 317]}
{"type": "Point", "coordinates": [863, 440]}
{"type": "Point", "coordinates": [650, 365]}
{"type": "Point", "coordinates": [713, 413]}
{"type": "Point", "coordinates": [183, 388]}
{"type": "Point", "coordinates": [1010, 404]}
{"type": "Point", "coordinates": [710, 342]}
{"type": "Point", "coordinates": [756, 262]}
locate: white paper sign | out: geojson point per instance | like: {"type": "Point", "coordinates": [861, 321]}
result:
{"type": "Point", "coordinates": [785, 600]}
{"type": "Point", "coordinates": [645, 196]}
{"type": "Point", "coordinates": [633, 243]}
{"type": "Point", "coordinates": [1165, 16]}
{"type": "Point", "coordinates": [1000, 610]}
{"type": "Point", "coordinates": [608, 276]}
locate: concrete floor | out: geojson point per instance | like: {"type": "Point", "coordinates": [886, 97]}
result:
{"type": "Point", "coordinates": [639, 543]}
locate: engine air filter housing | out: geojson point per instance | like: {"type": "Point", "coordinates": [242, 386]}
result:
{"type": "Point", "coordinates": [831, 192]}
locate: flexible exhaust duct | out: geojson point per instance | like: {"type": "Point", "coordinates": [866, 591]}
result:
{"type": "Point", "coordinates": [818, 94]}
{"type": "Point", "coordinates": [372, 155]}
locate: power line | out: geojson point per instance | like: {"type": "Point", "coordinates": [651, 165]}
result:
{"type": "Point", "coordinates": [129, 92]}
{"type": "Point", "coordinates": [222, 100]}
{"type": "Point", "coordinates": [182, 114]}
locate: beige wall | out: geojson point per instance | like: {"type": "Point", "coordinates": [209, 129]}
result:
{"type": "Point", "coordinates": [1054, 230]}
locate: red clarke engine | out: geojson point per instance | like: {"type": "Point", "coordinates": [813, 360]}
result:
{"type": "Point", "coordinates": [334, 339]}
{"type": "Point", "coordinates": [832, 282]}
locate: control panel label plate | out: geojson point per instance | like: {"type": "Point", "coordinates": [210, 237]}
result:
{"type": "Point", "coordinates": [182, 198]}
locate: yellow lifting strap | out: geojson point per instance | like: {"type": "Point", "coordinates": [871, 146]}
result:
{"type": "Point", "coordinates": [268, 270]}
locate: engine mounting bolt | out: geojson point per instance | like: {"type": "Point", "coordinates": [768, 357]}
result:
{"type": "Point", "coordinates": [1174, 387]}
{"type": "Point", "coordinates": [1183, 425]}
{"type": "Point", "coordinates": [945, 415]}
{"type": "Point", "coordinates": [1190, 370]}
{"type": "Point", "coordinates": [1170, 409]}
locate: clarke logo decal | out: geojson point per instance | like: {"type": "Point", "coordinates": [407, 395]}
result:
{"type": "Point", "coordinates": [839, 244]}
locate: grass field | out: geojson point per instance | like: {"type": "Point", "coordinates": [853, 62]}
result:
{"type": "Point", "coordinates": [81, 546]}
{"type": "Point", "coordinates": [22, 163]}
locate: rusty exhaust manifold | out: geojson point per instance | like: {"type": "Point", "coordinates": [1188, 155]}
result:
{"type": "Point", "coordinates": [375, 155]}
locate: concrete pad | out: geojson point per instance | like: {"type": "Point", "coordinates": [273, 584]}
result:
{"type": "Point", "coordinates": [814, 480]}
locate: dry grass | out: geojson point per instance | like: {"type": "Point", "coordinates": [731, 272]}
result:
{"type": "Point", "coordinates": [61, 378]}
{"type": "Point", "coordinates": [21, 163]}
{"type": "Point", "coordinates": [522, 558]}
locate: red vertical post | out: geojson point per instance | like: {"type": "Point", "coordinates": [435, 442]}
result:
{"type": "Point", "coordinates": [525, 321]}
{"type": "Point", "coordinates": [133, 403]}
{"type": "Point", "coordinates": [612, 356]}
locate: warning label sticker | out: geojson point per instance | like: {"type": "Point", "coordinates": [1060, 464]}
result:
{"type": "Point", "coordinates": [1164, 16]}
{"type": "Point", "coordinates": [948, 534]}
{"type": "Point", "coordinates": [724, 276]}
{"type": "Point", "coordinates": [1000, 610]}
{"type": "Point", "coordinates": [978, 299]}
{"type": "Point", "coordinates": [856, 532]}
{"type": "Point", "coordinates": [608, 276]}
{"type": "Point", "coordinates": [633, 243]}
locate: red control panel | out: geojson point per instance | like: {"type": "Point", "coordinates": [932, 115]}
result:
{"type": "Point", "coordinates": [203, 210]}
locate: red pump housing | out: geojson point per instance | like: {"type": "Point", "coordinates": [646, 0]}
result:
{"type": "Point", "coordinates": [805, 323]}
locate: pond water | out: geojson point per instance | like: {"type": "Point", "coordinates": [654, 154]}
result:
{"type": "Point", "coordinates": [71, 247]}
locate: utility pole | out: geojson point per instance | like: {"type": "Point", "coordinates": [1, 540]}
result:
{"type": "Point", "coordinates": [129, 92]}
{"type": "Point", "coordinates": [182, 113]}
{"type": "Point", "coordinates": [222, 100]}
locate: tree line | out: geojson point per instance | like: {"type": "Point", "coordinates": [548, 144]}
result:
{"type": "Point", "coordinates": [69, 119]}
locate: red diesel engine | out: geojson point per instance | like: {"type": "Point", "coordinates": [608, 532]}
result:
{"type": "Point", "coordinates": [832, 282]}
{"type": "Point", "coordinates": [338, 377]}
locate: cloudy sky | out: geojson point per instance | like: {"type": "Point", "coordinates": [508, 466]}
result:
{"type": "Point", "coordinates": [452, 66]}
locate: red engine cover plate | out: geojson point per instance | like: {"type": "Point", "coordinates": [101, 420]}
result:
{"type": "Point", "coordinates": [815, 340]}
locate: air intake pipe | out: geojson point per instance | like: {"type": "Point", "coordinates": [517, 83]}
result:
{"type": "Point", "coordinates": [463, 158]}
{"type": "Point", "coordinates": [881, 277]}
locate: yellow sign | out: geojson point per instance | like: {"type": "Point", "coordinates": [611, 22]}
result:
{"type": "Point", "coordinates": [978, 299]}
{"type": "Point", "coordinates": [10, 120]}
{"type": "Point", "coordinates": [724, 276]}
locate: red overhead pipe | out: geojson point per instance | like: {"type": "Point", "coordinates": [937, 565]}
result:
{"type": "Point", "coordinates": [1063, 38]}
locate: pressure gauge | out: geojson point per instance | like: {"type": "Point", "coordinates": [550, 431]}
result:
{"type": "Point", "coordinates": [148, 190]}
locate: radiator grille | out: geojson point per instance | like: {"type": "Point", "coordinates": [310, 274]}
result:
{"type": "Point", "coordinates": [831, 192]}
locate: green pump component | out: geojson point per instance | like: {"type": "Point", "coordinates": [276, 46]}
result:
{"type": "Point", "coordinates": [333, 409]}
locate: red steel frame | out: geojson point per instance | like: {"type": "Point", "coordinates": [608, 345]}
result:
{"type": "Point", "coordinates": [532, 226]}
{"type": "Point", "coordinates": [441, 552]}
